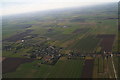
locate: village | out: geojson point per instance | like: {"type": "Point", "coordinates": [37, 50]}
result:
{"type": "Point", "coordinates": [51, 54]}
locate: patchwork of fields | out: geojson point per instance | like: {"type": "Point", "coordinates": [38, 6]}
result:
{"type": "Point", "coordinates": [65, 45]}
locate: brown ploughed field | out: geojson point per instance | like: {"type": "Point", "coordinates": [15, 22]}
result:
{"type": "Point", "coordinates": [10, 64]}
{"type": "Point", "coordinates": [88, 68]}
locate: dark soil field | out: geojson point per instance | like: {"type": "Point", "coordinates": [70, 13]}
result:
{"type": "Point", "coordinates": [88, 68]}
{"type": "Point", "coordinates": [10, 64]}
{"type": "Point", "coordinates": [107, 42]}
{"type": "Point", "coordinates": [83, 30]}
{"type": "Point", "coordinates": [19, 36]}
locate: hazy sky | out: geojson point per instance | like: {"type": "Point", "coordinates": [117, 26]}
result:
{"type": "Point", "coordinates": [22, 6]}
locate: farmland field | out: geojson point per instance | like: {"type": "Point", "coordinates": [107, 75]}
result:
{"type": "Point", "coordinates": [66, 43]}
{"type": "Point", "coordinates": [88, 69]}
{"type": "Point", "coordinates": [13, 64]}
{"type": "Point", "coordinates": [63, 69]}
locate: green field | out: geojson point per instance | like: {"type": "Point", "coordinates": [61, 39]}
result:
{"type": "Point", "coordinates": [87, 44]}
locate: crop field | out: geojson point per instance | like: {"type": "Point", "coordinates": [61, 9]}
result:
{"type": "Point", "coordinates": [101, 65]}
{"type": "Point", "coordinates": [88, 69]}
{"type": "Point", "coordinates": [13, 64]}
{"type": "Point", "coordinates": [107, 42]}
{"type": "Point", "coordinates": [61, 43]}
{"type": "Point", "coordinates": [63, 69]}
{"type": "Point", "coordinates": [87, 44]}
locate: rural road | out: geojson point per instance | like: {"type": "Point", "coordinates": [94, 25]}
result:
{"type": "Point", "coordinates": [114, 67]}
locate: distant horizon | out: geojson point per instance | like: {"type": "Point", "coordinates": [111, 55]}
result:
{"type": "Point", "coordinates": [13, 8]}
